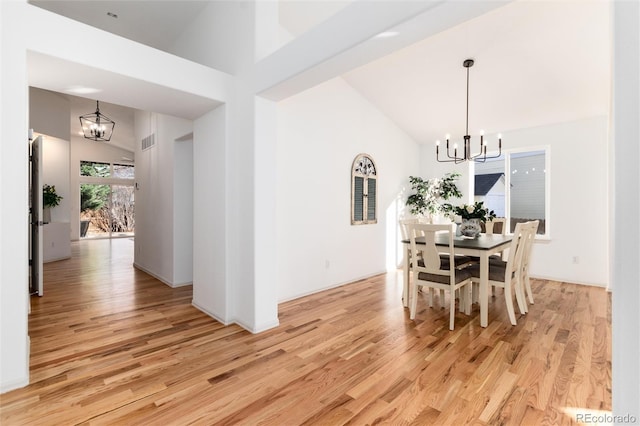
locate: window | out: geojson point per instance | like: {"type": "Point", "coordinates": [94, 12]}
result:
{"type": "Point", "coordinates": [107, 200]}
{"type": "Point", "coordinates": [123, 171]}
{"type": "Point", "coordinates": [516, 186]}
{"type": "Point", "coordinates": [364, 180]}
{"type": "Point", "coordinates": [91, 168]}
{"type": "Point", "coordinates": [103, 170]}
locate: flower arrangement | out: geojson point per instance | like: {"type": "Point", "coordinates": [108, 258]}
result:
{"type": "Point", "coordinates": [49, 196]}
{"type": "Point", "coordinates": [474, 211]}
{"type": "Point", "coordinates": [427, 194]}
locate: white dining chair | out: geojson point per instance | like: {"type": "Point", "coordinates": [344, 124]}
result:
{"type": "Point", "coordinates": [532, 230]}
{"type": "Point", "coordinates": [436, 271]}
{"type": "Point", "coordinates": [461, 261]}
{"type": "Point", "coordinates": [507, 274]}
{"type": "Point", "coordinates": [404, 233]}
{"type": "Point", "coordinates": [490, 226]}
{"type": "Point", "coordinates": [497, 225]}
{"type": "Point", "coordinates": [403, 223]}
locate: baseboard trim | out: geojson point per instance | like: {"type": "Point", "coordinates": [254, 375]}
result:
{"type": "Point", "coordinates": [252, 330]}
{"type": "Point", "coordinates": [159, 278]}
{"type": "Point", "coordinates": [55, 259]}
{"type": "Point", "coordinates": [332, 286]}
{"type": "Point", "coordinates": [13, 385]}
{"type": "Point", "coordinates": [561, 280]}
{"type": "Point", "coordinates": [262, 327]}
{"type": "Point", "coordinates": [211, 314]}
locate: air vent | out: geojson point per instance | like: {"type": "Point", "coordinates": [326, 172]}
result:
{"type": "Point", "coordinates": [149, 141]}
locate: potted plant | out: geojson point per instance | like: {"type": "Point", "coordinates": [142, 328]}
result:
{"type": "Point", "coordinates": [428, 193]}
{"type": "Point", "coordinates": [50, 199]}
{"type": "Point", "coordinates": [471, 216]}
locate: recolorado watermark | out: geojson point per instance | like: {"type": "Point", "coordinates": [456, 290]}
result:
{"type": "Point", "coordinates": [605, 418]}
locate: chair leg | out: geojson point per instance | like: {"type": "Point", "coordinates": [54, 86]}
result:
{"type": "Point", "coordinates": [509, 301]}
{"type": "Point", "coordinates": [467, 292]}
{"type": "Point", "coordinates": [527, 284]}
{"type": "Point", "coordinates": [520, 297]}
{"type": "Point", "coordinates": [413, 301]}
{"type": "Point", "coordinates": [452, 309]}
{"type": "Point", "coordinates": [431, 297]}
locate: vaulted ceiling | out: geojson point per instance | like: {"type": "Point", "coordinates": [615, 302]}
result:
{"type": "Point", "coordinates": [537, 62]}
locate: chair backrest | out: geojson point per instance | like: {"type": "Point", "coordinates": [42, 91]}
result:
{"type": "Point", "coordinates": [404, 222]}
{"type": "Point", "coordinates": [429, 252]}
{"type": "Point", "coordinates": [490, 226]}
{"type": "Point", "coordinates": [516, 250]}
{"type": "Point", "coordinates": [532, 229]}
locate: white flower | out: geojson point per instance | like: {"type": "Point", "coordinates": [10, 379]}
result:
{"type": "Point", "coordinates": [470, 209]}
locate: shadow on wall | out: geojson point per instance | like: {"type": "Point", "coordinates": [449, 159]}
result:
{"type": "Point", "coordinates": [394, 212]}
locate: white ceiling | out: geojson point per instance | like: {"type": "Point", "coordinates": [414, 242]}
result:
{"type": "Point", "coordinates": [537, 62]}
{"type": "Point", "coordinates": [151, 22]}
{"type": "Point", "coordinates": [298, 16]}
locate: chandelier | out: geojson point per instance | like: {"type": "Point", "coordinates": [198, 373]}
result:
{"type": "Point", "coordinates": [466, 154]}
{"type": "Point", "coordinates": [97, 126]}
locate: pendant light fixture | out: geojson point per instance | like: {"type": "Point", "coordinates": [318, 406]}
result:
{"type": "Point", "coordinates": [465, 153]}
{"type": "Point", "coordinates": [97, 126]}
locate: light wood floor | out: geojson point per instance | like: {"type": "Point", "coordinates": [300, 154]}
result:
{"type": "Point", "coordinates": [111, 345]}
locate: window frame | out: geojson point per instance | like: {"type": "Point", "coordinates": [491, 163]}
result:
{"type": "Point", "coordinates": [507, 173]}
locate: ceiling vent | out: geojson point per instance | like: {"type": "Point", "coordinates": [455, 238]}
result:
{"type": "Point", "coordinates": [149, 141]}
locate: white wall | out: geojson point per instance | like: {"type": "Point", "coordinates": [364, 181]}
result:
{"type": "Point", "coordinates": [183, 210]}
{"type": "Point", "coordinates": [210, 257]}
{"type": "Point", "coordinates": [14, 204]}
{"type": "Point", "coordinates": [320, 132]}
{"type": "Point", "coordinates": [579, 194]}
{"type": "Point", "coordinates": [626, 203]}
{"type": "Point", "coordinates": [55, 171]}
{"type": "Point", "coordinates": [155, 220]}
{"type": "Point", "coordinates": [49, 113]}
{"type": "Point", "coordinates": [265, 215]}
{"type": "Point", "coordinates": [229, 29]}
{"type": "Point", "coordinates": [49, 116]}
{"type": "Point", "coordinates": [221, 37]}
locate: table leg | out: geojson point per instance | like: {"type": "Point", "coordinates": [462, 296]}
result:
{"type": "Point", "coordinates": [484, 288]}
{"type": "Point", "coordinates": [405, 276]}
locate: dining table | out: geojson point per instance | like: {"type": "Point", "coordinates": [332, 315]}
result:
{"type": "Point", "coordinates": [481, 247]}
